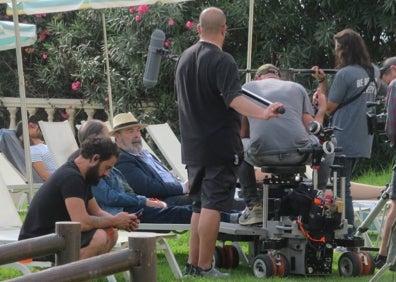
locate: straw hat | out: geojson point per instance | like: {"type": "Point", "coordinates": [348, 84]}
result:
{"type": "Point", "coordinates": [125, 120]}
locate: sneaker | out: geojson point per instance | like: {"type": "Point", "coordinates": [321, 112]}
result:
{"type": "Point", "coordinates": [379, 261]}
{"type": "Point", "coordinates": [251, 216]}
{"type": "Point", "coordinates": [189, 270]}
{"type": "Point", "coordinates": [213, 272]}
{"type": "Point", "coordinates": [340, 250]}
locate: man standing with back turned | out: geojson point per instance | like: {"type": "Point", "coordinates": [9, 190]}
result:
{"type": "Point", "coordinates": [209, 98]}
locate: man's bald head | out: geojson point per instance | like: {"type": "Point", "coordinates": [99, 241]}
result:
{"type": "Point", "coordinates": [212, 20]}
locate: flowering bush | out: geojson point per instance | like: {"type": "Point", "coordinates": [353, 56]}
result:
{"type": "Point", "coordinates": [68, 58]}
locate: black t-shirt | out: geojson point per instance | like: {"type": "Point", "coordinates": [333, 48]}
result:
{"type": "Point", "coordinates": [48, 205]}
{"type": "Point", "coordinates": [206, 81]}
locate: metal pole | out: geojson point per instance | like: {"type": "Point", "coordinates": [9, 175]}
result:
{"type": "Point", "coordinates": [106, 55]}
{"type": "Point", "coordinates": [22, 95]}
{"type": "Point", "coordinates": [250, 39]}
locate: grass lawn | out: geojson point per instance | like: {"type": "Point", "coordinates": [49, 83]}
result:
{"type": "Point", "coordinates": [243, 273]}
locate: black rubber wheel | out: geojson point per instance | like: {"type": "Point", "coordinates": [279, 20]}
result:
{"type": "Point", "coordinates": [349, 264]}
{"type": "Point", "coordinates": [262, 266]}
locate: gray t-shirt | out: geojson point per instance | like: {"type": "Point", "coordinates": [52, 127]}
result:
{"type": "Point", "coordinates": [351, 118]}
{"type": "Point", "coordinates": [286, 133]}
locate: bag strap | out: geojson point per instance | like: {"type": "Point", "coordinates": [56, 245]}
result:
{"type": "Point", "coordinates": [370, 72]}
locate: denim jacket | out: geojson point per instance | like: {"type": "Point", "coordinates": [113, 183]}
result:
{"type": "Point", "coordinates": [114, 194]}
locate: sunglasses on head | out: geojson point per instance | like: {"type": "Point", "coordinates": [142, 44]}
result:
{"type": "Point", "coordinates": [273, 72]}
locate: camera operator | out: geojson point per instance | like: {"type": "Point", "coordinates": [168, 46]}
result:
{"type": "Point", "coordinates": [388, 75]}
{"type": "Point", "coordinates": [276, 141]}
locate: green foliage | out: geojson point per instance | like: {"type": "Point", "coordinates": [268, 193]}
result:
{"type": "Point", "coordinates": [291, 34]}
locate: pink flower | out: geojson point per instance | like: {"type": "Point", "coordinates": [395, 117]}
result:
{"type": "Point", "coordinates": [29, 50]}
{"type": "Point", "coordinates": [43, 35]}
{"type": "Point", "coordinates": [76, 85]}
{"type": "Point", "coordinates": [171, 22]}
{"type": "Point", "coordinates": [143, 9]}
{"type": "Point", "coordinates": [45, 56]}
{"type": "Point", "coordinates": [189, 25]}
{"type": "Point", "coordinates": [167, 43]}
{"type": "Point", "coordinates": [65, 115]}
{"type": "Point", "coordinates": [41, 15]}
{"type": "Point", "coordinates": [106, 99]}
{"type": "Point", "coordinates": [138, 18]}
{"type": "Point", "coordinates": [132, 9]}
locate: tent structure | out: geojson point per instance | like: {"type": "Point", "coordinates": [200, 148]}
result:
{"type": "Point", "coordinates": [7, 35]}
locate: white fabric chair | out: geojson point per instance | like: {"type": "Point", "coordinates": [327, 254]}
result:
{"type": "Point", "coordinates": [60, 140]}
{"type": "Point", "coordinates": [170, 147]}
{"type": "Point", "coordinates": [10, 224]}
{"type": "Point", "coordinates": [14, 182]}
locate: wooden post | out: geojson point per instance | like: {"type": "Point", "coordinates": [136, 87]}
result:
{"type": "Point", "coordinates": [140, 259]}
{"type": "Point", "coordinates": [71, 233]}
{"type": "Point", "coordinates": [45, 245]}
{"type": "Point", "coordinates": [145, 248]}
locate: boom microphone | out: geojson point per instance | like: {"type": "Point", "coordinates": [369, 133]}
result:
{"type": "Point", "coordinates": [260, 99]}
{"type": "Point", "coordinates": [154, 56]}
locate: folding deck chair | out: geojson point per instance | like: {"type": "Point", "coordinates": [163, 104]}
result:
{"type": "Point", "coordinates": [13, 168]}
{"type": "Point", "coordinates": [60, 140]}
{"type": "Point", "coordinates": [10, 224]}
{"type": "Point", "coordinates": [170, 147]}
{"type": "Point", "coordinates": [13, 151]}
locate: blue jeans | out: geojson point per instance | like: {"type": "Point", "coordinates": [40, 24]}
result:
{"type": "Point", "coordinates": [177, 200]}
{"type": "Point", "coordinates": [176, 214]}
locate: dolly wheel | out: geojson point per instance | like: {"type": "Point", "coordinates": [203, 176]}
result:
{"type": "Point", "coordinates": [368, 266]}
{"type": "Point", "coordinates": [282, 265]}
{"type": "Point", "coordinates": [262, 266]}
{"type": "Point", "coordinates": [218, 257]}
{"type": "Point", "coordinates": [232, 256]}
{"type": "Point", "coordinates": [349, 265]}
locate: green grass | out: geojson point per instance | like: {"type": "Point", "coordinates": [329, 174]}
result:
{"type": "Point", "coordinates": [376, 178]}
{"type": "Point", "coordinates": [244, 273]}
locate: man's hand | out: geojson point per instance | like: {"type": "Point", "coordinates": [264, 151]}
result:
{"type": "Point", "coordinates": [319, 74]}
{"type": "Point", "coordinates": [272, 110]}
{"type": "Point", "coordinates": [126, 221]}
{"type": "Point", "coordinates": [156, 203]}
{"type": "Point", "coordinates": [320, 100]}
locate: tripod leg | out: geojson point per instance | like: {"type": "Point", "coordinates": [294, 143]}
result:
{"type": "Point", "coordinates": [374, 212]}
{"type": "Point", "coordinates": [380, 272]}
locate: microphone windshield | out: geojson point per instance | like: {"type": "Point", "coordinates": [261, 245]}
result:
{"type": "Point", "coordinates": [154, 56]}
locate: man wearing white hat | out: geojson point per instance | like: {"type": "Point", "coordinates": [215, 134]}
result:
{"type": "Point", "coordinates": [144, 173]}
